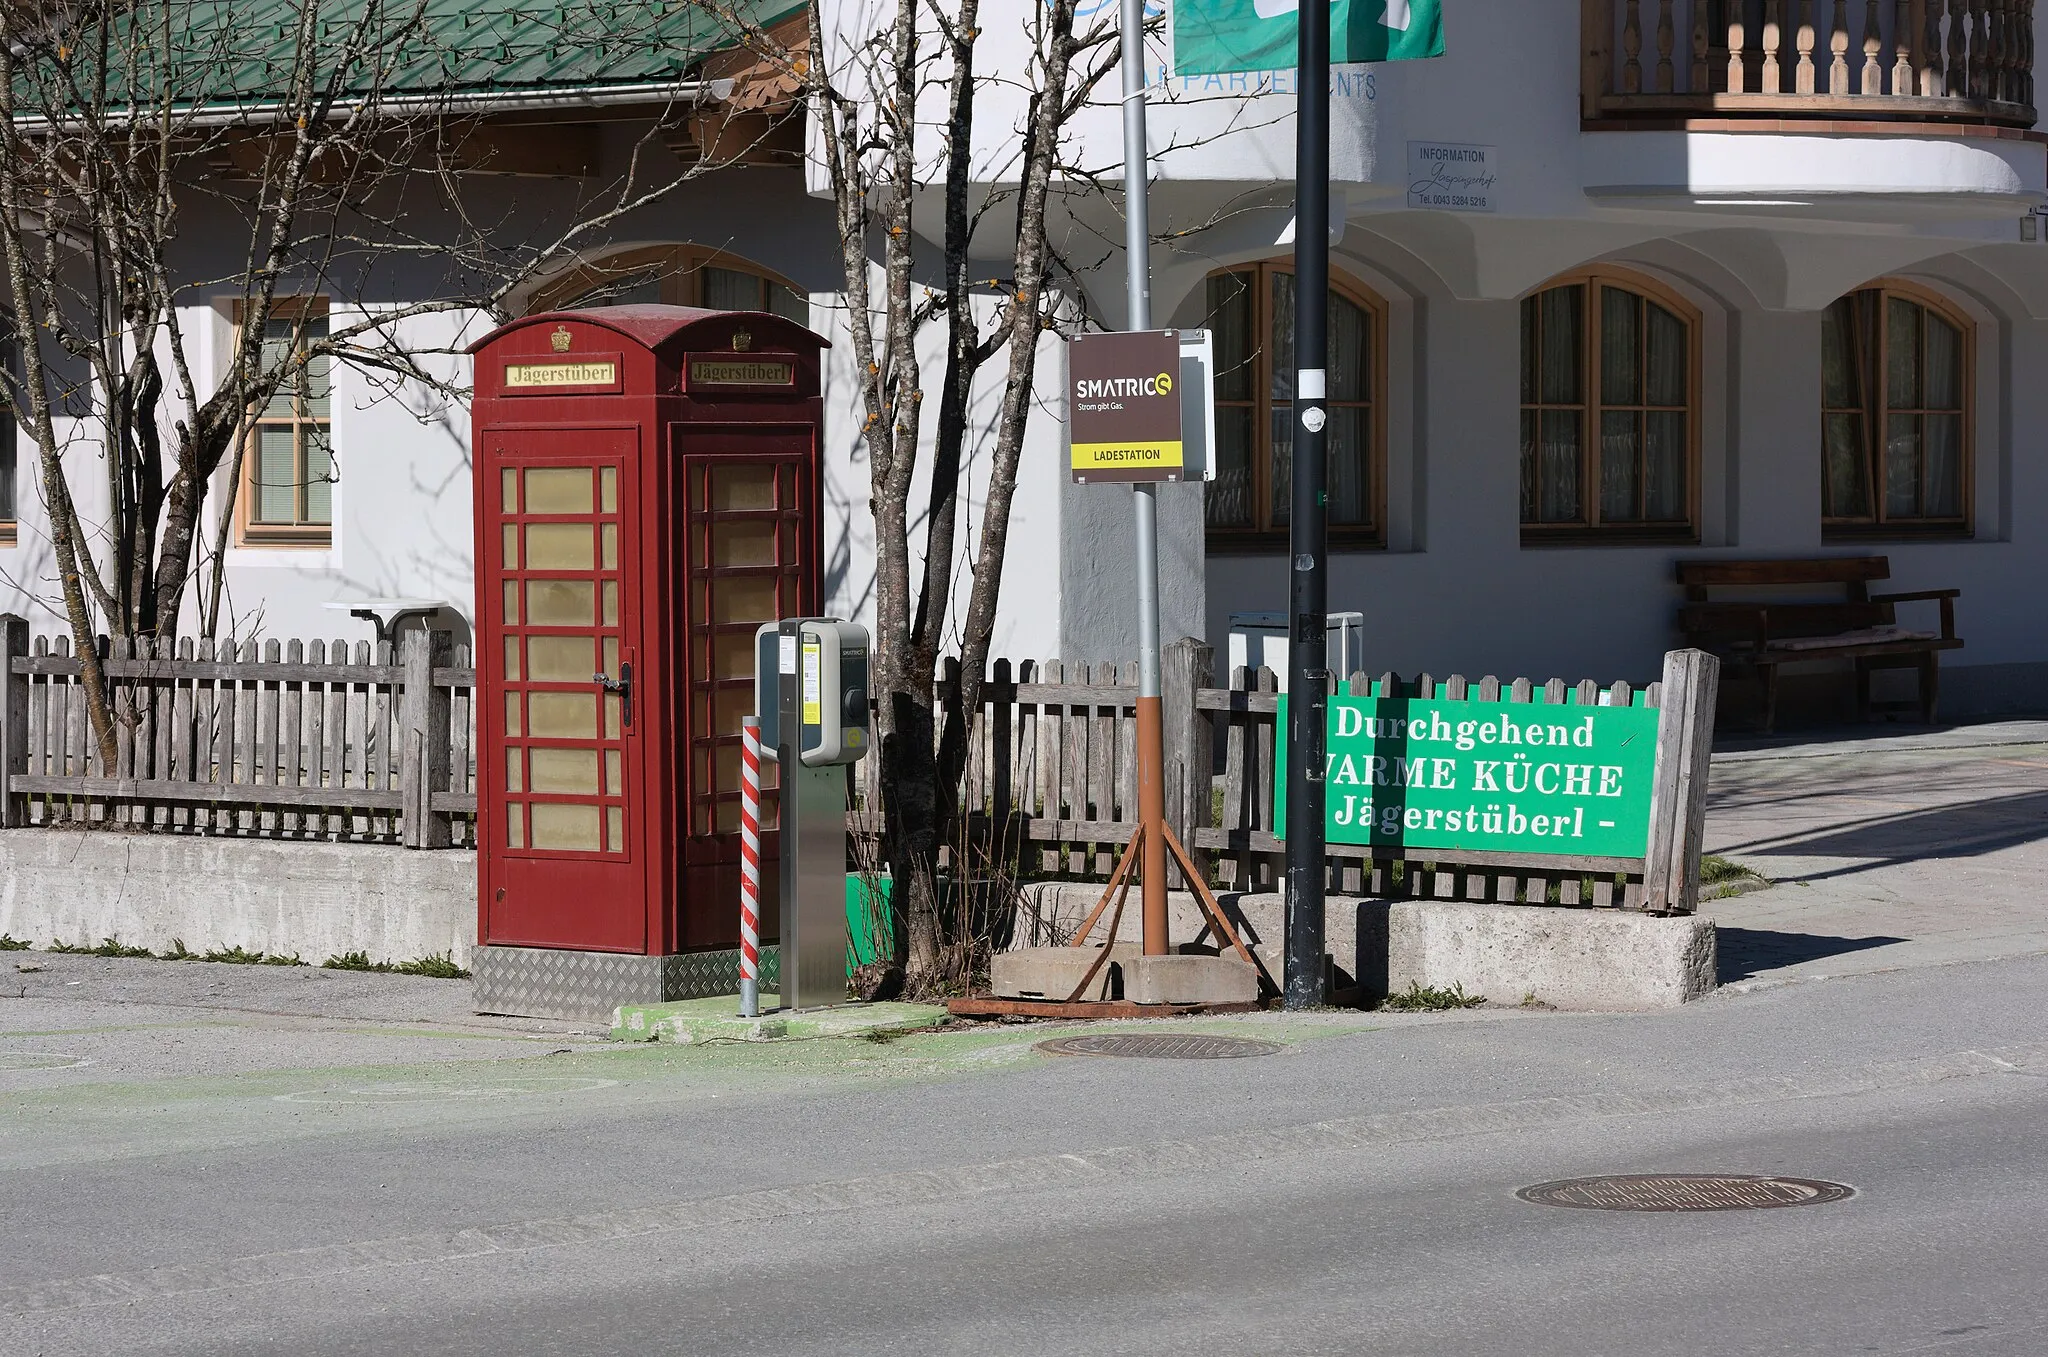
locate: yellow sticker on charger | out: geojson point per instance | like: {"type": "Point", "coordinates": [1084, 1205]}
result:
{"type": "Point", "coordinates": [812, 662]}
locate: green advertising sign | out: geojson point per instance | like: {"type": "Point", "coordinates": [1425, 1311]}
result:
{"type": "Point", "coordinates": [1220, 37]}
{"type": "Point", "coordinates": [1411, 774]}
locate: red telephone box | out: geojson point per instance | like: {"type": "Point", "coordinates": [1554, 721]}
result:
{"type": "Point", "coordinates": [647, 494]}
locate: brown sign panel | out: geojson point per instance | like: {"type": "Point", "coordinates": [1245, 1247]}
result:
{"type": "Point", "coordinates": [741, 370]}
{"type": "Point", "coordinates": [1123, 411]}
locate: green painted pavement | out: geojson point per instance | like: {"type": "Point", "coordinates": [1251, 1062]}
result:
{"type": "Point", "coordinates": [697, 1020]}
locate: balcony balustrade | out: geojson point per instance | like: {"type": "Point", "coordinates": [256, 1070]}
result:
{"type": "Point", "coordinates": [1943, 61]}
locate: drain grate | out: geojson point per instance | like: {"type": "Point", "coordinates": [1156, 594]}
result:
{"type": "Point", "coordinates": [1684, 1192]}
{"type": "Point", "coordinates": [1152, 1046]}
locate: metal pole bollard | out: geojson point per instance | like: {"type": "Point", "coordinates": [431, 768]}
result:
{"type": "Point", "coordinates": [750, 867]}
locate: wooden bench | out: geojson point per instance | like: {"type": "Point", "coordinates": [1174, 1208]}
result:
{"type": "Point", "coordinates": [1760, 615]}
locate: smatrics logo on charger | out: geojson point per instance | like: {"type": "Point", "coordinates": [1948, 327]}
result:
{"type": "Point", "coordinates": [1123, 419]}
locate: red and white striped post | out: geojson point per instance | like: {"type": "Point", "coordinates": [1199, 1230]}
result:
{"type": "Point", "coordinates": [750, 867]}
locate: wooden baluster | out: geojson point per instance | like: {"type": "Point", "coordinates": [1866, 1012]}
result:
{"type": "Point", "coordinates": [1873, 38]}
{"type": "Point", "coordinates": [1904, 44]}
{"type": "Point", "coordinates": [1838, 51]}
{"type": "Point", "coordinates": [1805, 43]}
{"type": "Point", "coordinates": [1932, 65]}
{"type": "Point", "coordinates": [1917, 48]}
{"type": "Point", "coordinates": [1956, 80]}
{"type": "Point", "coordinates": [1666, 73]}
{"type": "Point", "coordinates": [2026, 56]}
{"type": "Point", "coordinates": [1632, 48]}
{"type": "Point", "coordinates": [1770, 80]}
{"type": "Point", "coordinates": [2000, 59]}
{"type": "Point", "coordinates": [1738, 71]}
{"type": "Point", "coordinates": [1980, 49]}
{"type": "Point", "coordinates": [1696, 80]}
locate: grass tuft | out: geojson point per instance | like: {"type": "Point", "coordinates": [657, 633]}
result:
{"type": "Point", "coordinates": [1717, 871]}
{"type": "Point", "coordinates": [355, 961]}
{"type": "Point", "coordinates": [235, 955]}
{"type": "Point", "coordinates": [440, 966]}
{"type": "Point", "coordinates": [115, 947]}
{"type": "Point", "coordinates": [177, 951]}
{"type": "Point", "coordinates": [1433, 999]}
{"type": "Point", "coordinates": [272, 959]}
{"type": "Point", "coordinates": [70, 948]}
{"type": "Point", "coordinates": [10, 943]}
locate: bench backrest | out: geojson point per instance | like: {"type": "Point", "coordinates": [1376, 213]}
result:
{"type": "Point", "coordinates": [1754, 583]}
{"type": "Point", "coordinates": [1852, 572]}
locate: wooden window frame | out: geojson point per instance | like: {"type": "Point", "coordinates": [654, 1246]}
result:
{"type": "Point", "coordinates": [680, 269]}
{"type": "Point", "coordinates": [1262, 537]}
{"type": "Point", "coordinates": [1591, 530]}
{"type": "Point", "coordinates": [249, 530]}
{"type": "Point", "coordinates": [1876, 526]}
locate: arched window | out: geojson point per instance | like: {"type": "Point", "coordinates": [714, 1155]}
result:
{"type": "Point", "coordinates": [1251, 318]}
{"type": "Point", "coordinates": [1610, 410]}
{"type": "Point", "coordinates": [1896, 373]}
{"type": "Point", "coordinates": [678, 275]}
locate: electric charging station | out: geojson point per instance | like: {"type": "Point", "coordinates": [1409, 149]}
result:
{"type": "Point", "coordinates": [811, 692]}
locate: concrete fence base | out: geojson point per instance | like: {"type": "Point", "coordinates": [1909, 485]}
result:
{"type": "Point", "coordinates": [1585, 959]}
{"type": "Point", "coordinates": [314, 900]}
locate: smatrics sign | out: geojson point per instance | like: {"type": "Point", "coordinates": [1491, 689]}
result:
{"type": "Point", "coordinates": [1411, 774]}
{"type": "Point", "coordinates": [1123, 411]}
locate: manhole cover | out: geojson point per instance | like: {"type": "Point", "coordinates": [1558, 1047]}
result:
{"type": "Point", "coordinates": [1159, 1047]}
{"type": "Point", "coordinates": [41, 1060]}
{"type": "Point", "coordinates": [1684, 1192]}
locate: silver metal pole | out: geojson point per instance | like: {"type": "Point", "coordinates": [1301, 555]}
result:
{"type": "Point", "coordinates": [1138, 267]}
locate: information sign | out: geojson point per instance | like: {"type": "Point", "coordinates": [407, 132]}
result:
{"type": "Point", "coordinates": [1411, 774]}
{"type": "Point", "coordinates": [1123, 408]}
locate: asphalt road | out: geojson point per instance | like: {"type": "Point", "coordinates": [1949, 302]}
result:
{"type": "Point", "coordinates": [251, 1175]}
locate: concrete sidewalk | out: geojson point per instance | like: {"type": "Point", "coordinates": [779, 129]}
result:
{"type": "Point", "coordinates": [1907, 849]}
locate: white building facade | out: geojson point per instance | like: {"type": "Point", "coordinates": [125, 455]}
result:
{"type": "Point", "coordinates": [1609, 298]}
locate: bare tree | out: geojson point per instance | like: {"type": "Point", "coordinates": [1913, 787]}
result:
{"type": "Point", "coordinates": [304, 142]}
{"type": "Point", "coordinates": [872, 96]}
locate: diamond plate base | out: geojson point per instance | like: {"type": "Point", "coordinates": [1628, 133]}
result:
{"type": "Point", "coordinates": [547, 982]}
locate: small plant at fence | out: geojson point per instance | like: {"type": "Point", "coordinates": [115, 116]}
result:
{"type": "Point", "coordinates": [1722, 877]}
{"type": "Point", "coordinates": [354, 961]}
{"type": "Point", "coordinates": [236, 955]}
{"type": "Point", "coordinates": [69, 948]}
{"type": "Point", "coordinates": [10, 943]}
{"type": "Point", "coordinates": [272, 959]}
{"type": "Point", "coordinates": [177, 951]}
{"type": "Point", "coordinates": [115, 947]}
{"type": "Point", "coordinates": [1430, 999]}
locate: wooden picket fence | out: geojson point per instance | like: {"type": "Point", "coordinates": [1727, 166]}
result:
{"type": "Point", "coordinates": [281, 740]}
{"type": "Point", "coordinates": [328, 741]}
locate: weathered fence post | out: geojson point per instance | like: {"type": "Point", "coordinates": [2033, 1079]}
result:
{"type": "Point", "coordinates": [1678, 797]}
{"type": "Point", "coordinates": [13, 719]}
{"type": "Point", "coordinates": [1185, 667]}
{"type": "Point", "coordinates": [423, 723]}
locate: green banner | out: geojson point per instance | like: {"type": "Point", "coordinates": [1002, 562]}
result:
{"type": "Point", "coordinates": [1413, 774]}
{"type": "Point", "coordinates": [1219, 37]}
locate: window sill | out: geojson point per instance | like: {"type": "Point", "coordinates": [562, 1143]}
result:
{"type": "Point", "coordinates": [1279, 543]}
{"type": "Point", "coordinates": [300, 539]}
{"type": "Point", "coordinates": [1865, 534]}
{"type": "Point", "coordinates": [1536, 540]}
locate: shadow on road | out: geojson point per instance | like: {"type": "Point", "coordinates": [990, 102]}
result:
{"type": "Point", "coordinates": [1745, 952]}
{"type": "Point", "coordinates": [1962, 829]}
